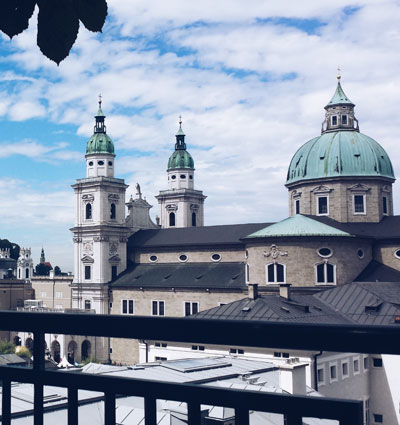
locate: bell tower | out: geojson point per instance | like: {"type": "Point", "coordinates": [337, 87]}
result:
{"type": "Point", "coordinates": [181, 205]}
{"type": "Point", "coordinates": [100, 233]}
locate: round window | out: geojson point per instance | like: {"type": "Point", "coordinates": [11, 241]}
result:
{"type": "Point", "coordinates": [360, 253]}
{"type": "Point", "coordinates": [183, 258]}
{"type": "Point", "coordinates": [215, 257]}
{"type": "Point", "coordinates": [110, 163]}
{"type": "Point", "coordinates": [91, 164]}
{"type": "Point", "coordinates": [100, 162]}
{"type": "Point", "coordinates": [324, 252]}
{"type": "Point", "coordinates": [183, 176]}
{"type": "Point", "coordinates": [397, 253]}
{"type": "Point", "coordinates": [173, 177]}
{"type": "Point", "coordinates": [153, 258]}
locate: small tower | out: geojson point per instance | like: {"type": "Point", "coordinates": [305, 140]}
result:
{"type": "Point", "coordinates": [25, 263]}
{"type": "Point", "coordinates": [181, 205]}
{"type": "Point", "coordinates": [100, 232]}
{"type": "Point", "coordinates": [42, 257]}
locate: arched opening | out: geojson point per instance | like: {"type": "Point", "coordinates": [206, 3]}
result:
{"type": "Point", "coordinates": [72, 351]}
{"type": "Point", "coordinates": [19, 273]}
{"type": "Point", "coordinates": [276, 273]}
{"type": "Point", "coordinates": [172, 219]}
{"type": "Point", "coordinates": [194, 220]}
{"type": "Point", "coordinates": [29, 344]}
{"type": "Point", "coordinates": [112, 212]}
{"type": "Point", "coordinates": [325, 273]}
{"type": "Point", "coordinates": [86, 349]}
{"type": "Point", "coordinates": [17, 341]}
{"type": "Point", "coordinates": [56, 351]}
{"type": "Point", "coordinates": [26, 273]}
{"type": "Point", "coordinates": [88, 211]}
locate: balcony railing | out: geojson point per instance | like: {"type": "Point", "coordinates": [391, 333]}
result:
{"type": "Point", "coordinates": [344, 338]}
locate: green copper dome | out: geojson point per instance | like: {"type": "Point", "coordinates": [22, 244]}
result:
{"type": "Point", "coordinates": [341, 150]}
{"type": "Point", "coordinates": [181, 158]}
{"type": "Point", "coordinates": [340, 153]}
{"type": "Point", "coordinates": [100, 142]}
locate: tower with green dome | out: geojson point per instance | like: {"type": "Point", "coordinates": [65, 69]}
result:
{"type": "Point", "coordinates": [181, 205]}
{"type": "Point", "coordinates": [100, 232]}
{"type": "Point", "coordinates": [342, 174]}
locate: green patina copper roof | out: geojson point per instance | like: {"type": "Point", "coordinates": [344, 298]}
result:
{"type": "Point", "coordinates": [99, 143]}
{"type": "Point", "coordinates": [181, 158]}
{"type": "Point", "coordinates": [339, 97]}
{"type": "Point", "coordinates": [298, 225]}
{"type": "Point", "coordinates": [340, 153]}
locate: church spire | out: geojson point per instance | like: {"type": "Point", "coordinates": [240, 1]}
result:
{"type": "Point", "coordinates": [42, 257]}
{"type": "Point", "coordinates": [100, 127]}
{"type": "Point", "coordinates": [180, 137]}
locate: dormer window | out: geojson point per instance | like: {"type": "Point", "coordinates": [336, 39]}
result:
{"type": "Point", "coordinates": [334, 120]}
{"type": "Point", "coordinates": [344, 119]}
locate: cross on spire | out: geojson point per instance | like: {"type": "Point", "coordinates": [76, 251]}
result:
{"type": "Point", "coordinates": [100, 100]}
{"type": "Point", "coordinates": [338, 74]}
{"type": "Point", "coordinates": [180, 120]}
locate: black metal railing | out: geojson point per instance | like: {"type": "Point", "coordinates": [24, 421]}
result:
{"type": "Point", "coordinates": [344, 338]}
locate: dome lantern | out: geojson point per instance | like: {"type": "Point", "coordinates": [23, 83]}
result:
{"type": "Point", "coordinates": [181, 158]}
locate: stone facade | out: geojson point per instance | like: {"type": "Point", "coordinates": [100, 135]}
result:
{"type": "Point", "coordinates": [340, 193]}
{"type": "Point", "coordinates": [54, 291]}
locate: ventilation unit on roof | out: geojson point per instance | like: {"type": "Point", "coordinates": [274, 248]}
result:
{"type": "Point", "coordinates": [236, 276]}
{"type": "Point", "coordinates": [246, 308]}
{"type": "Point", "coordinates": [371, 308]}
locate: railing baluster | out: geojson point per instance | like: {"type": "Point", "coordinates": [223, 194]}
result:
{"type": "Point", "coordinates": [293, 419]}
{"type": "Point", "coordinates": [6, 403]}
{"type": "Point", "coordinates": [150, 411]}
{"type": "Point", "coordinates": [72, 406]}
{"type": "Point", "coordinates": [241, 416]}
{"type": "Point", "coordinates": [38, 368]}
{"type": "Point", "coordinates": [109, 408]}
{"type": "Point", "coordinates": [194, 415]}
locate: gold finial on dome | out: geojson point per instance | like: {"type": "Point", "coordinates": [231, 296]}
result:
{"type": "Point", "coordinates": [180, 120]}
{"type": "Point", "coordinates": [338, 74]}
{"type": "Point", "coordinates": [100, 100]}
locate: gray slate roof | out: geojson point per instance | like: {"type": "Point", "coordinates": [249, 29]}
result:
{"type": "Point", "coordinates": [184, 275]}
{"type": "Point", "coordinates": [230, 234]}
{"type": "Point", "coordinates": [378, 272]}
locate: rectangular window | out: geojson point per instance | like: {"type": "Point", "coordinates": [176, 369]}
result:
{"type": "Point", "coordinates": [345, 369]}
{"type": "Point", "coordinates": [384, 205]}
{"type": "Point", "coordinates": [247, 272]}
{"type": "Point", "coordinates": [333, 372]}
{"type": "Point", "coordinates": [87, 272]}
{"type": "Point", "coordinates": [88, 305]}
{"type": "Point", "coordinates": [158, 308]}
{"type": "Point", "coordinates": [160, 359]}
{"type": "Point", "coordinates": [191, 308]}
{"type": "Point", "coordinates": [114, 272]}
{"type": "Point", "coordinates": [365, 363]}
{"type": "Point", "coordinates": [344, 119]}
{"type": "Point", "coordinates": [236, 351]}
{"type": "Point", "coordinates": [297, 206]}
{"type": "Point", "coordinates": [322, 205]}
{"type": "Point", "coordinates": [377, 362]}
{"type": "Point", "coordinates": [321, 375]}
{"type": "Point", "coordinates": [127, 307]}
{"type": "Point", "coordinates": [275, 273]}
{"type": "Point", "coordinates": [356, 366]}
{"type": "Point", "coordinates": [359, 204]}
{"type": "Point", "coordinates": [59, 294]}
{"type": "Point", "coordinates": [43, 294]}
{"type": "Point", "coordinates": [198, 347]}
{"type": "Point", "coordinates": [378, 419]}
{"type": "Point", "coordinates": [334, 120]}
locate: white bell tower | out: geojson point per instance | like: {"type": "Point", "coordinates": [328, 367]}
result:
{"type": "Point", "coordinates": [25, 264]}
{"type": "Point", "coordinates": [100, 233]}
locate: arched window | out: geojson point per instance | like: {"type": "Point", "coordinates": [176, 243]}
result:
{"type": "Point", "coordinates": [19, 274]}
{"type": "Point", "coordinates": [86, 349]}
{"type": "Point", "coordinates": [325, 273]}
{"type": "Point", "coordinates": [172, 219]}
{"type": "Point", "coordinates": [17, 341]}
{"type": "Point", "coordinates": [276, 273]}
{"type": "Point", "coordinates": [26, 273]}
{"type": "Point", "coordinates": [112, 212]}
{"type": "Point", "coordinates": [194, 219]}
{"type": "Point", "coordinates": [72, 350]}
{"type": "Point", "coordinates": [55, 351]}
{"type": "Point", "coordinates": [29, 344]}
{"type": "Point", "coordinates": [88, 211]}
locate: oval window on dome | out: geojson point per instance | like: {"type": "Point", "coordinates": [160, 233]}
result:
{"type": "Point", "coordinates": [91, 164]}
{"type": "Point", "coordinates": [110, 163]}
{"type": "Point", "coordinates": [183, 258]}
{"type": "Point", "coordinates": [173, 177]}
{"type": "Point", "coordinates": [397, 253]}
{"type": "Point", "coordinates": [100, 162]}
{"type": "Point", "coordinates": [153, 258]}
{"type": "Point", "coordinates": [360, 253]}
{"type": "Point", "coordinates": [216, 257]}
{"type": "Point", "coordinates": [325, 252]}
{"type": "Point", "coordinates": [183, 176]}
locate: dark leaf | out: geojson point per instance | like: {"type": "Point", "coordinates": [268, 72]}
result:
{"type": "Point", "coordinates": [92, 13]}
{"type": "Point", "coordinates": [58, 27]}
{"type": "Point", "coordinates": [15, 15]}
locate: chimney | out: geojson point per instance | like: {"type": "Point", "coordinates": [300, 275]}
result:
{"type": "Point", "coordinates": [292, 377]}
{"type": "Point", "coordinates": [284, 290]}
{"type": "Point", "coordinates": [51, 274]}
{"type": "Point", "coordinates": [253, 291]}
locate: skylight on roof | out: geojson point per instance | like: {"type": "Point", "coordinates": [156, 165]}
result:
{"type": "Point", "coordinates": [196, 365]}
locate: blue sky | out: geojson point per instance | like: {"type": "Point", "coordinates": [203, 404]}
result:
{"type": "Point", "coordinates": [249, 78]}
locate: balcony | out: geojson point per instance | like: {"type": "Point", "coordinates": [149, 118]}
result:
{"type": "Point", "coordinates": [263, 334]}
